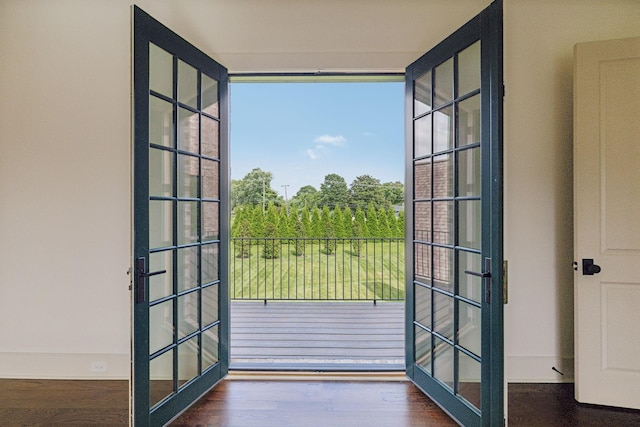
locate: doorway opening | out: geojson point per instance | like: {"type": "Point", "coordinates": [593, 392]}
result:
{"type": "Point", "coordinates": [316, 274]}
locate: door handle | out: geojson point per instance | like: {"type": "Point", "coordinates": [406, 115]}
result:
{"type": "Point", "coordinates": [141, 278]}
{"type": "Point", "coordinates": [589, 268]}
{"type": "Point", "coordinates": [486, 274]}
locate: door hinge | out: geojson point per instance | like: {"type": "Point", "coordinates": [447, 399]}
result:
{"type": "Point", "coordinates": [505, 281]}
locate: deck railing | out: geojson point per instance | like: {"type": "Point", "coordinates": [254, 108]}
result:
{"type": "Point", "coordinates": [317, 269]}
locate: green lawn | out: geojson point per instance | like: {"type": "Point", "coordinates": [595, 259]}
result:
{"type": "Point", "coordinates": [378, 273]}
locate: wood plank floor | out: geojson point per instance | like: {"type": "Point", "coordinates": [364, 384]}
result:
{"type": "Point", "coordinates": [317, 335]}
{"type": "Point", "coordinates": [307, 402]}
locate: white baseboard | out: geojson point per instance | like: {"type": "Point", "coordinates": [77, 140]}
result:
{"type": "Point", "coordinates": [539, 369]}
{"type": "Point", "coordinates": [65, 366]}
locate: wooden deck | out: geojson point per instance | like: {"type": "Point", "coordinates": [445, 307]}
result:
{"type": "Point", "coordinates": [317, 336]}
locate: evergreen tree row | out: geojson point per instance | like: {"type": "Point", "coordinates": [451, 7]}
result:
{"type": "Point", "coordinates": [252, 222]}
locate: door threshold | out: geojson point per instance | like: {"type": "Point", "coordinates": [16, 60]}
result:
{"type": "Point", "coordinates": [273, 375]}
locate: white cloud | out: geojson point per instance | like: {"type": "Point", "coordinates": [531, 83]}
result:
{"type": "Point", "coordinates": [316, 152]}
{"type": "Point", "coordinates": [338, 140]}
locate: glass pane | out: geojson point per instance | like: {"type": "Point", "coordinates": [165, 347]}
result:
{"type": "Point", "coordinates": [160, 122]}
{"type": "Point", "coordinates": [469, 375]}
{"type": "Point", "coordinates": [423, 305]}
{"type": "Point", "coordinates": [443, 268]}
{"type": "Point", "coordinates": [422, 221]}
{"type": "Point", "coordinates": [443, 315]}
{"type": "Point", "coordinates": [443, 90]}
{"type": "Point", "coordinates": [209, 95]}
{"type": "Point", "coordinates": [443, 127]}
{"type": "Point", "coordinates": [469, 69]}
{"type": "Point", "coordinates": [188, 174]}
{"type": "Point", "coordinates": [187, 84]}
{"type": "Point", "coordinates": [469, 327]}
{"type": "Point", "coordinates": [160, 70]}
{"type": "Point", "coordinates": [210, 137]}
{"type": "Point", "coordinates": [443, 176]}
{"type": "Point", "coordinates": [160, 173]}
{"type": "Point", "coordinates": [422, 94]}
{"type": "Point", "coordinates": [422, 260]}
{"type": "Point", "coordinates": [161, 285]}
{"type": "Point", "coordinates": [160, 377]}
{"type": "Point", "coordinates": [210, 262]}
{"type": "Point", "coordinates": [469, 172]}
{"type": "Point", "coordinates": [443, 362]}
{"type": "Point", "coordinates": [210, 311]}
{"type": "Point", "coordinates": [210, 179]}
{"type": "Point", "coordinates": [210, 221]}
{"type": "Point", "coordinates": [188, 131]}
{"type": "Point", "coordinates": [422, 179]}
{"type": "Point", "coordinates": [469, 224]}
{"type": "Point", "coordinates": [469, 286]}
{"type": "Point", "coordinates": [187, 314]}
{"type": "Point", "coordinates": [187, 222]}
{"type": "Point", "coordinates": [188, 361]}
{"type": "Point", "coordinates": [160, 223]}
{"type": "Point", "coordinates": [160, 326]}
{"type": "Point", "coordinates": [469, 121]}
{"type": "Point", "coordinates": [187, 268]}
{"type": "Point", "coordinates": [423, 348]}
{"type": "Point", "coordinates": [443, 222]}
{"type": "Point", "coordinates": [422, 136]}
{"type": "Point", "coordinates": [210, 347]}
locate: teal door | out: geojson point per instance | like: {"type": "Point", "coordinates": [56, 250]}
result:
{"type": "Point", "coordinates": [180, 186]}
{"type": "Point", "coordinates": [454, 224]}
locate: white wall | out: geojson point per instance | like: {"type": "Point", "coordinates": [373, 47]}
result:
{"type": "Point", "coordinates": [65, 188]}
{"type": "Point", "coordinates": [65, 179]}
{"type": "Point", "coordinates": [539, 39]}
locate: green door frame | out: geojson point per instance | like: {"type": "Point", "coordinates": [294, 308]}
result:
{"type": "Point", "coordinates": [488, 28]}
{"type": "Point", "coordinates": [147, 30]}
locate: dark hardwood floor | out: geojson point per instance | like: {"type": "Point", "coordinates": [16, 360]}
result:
{"type": "Point", "coordinates": [63, 402]}
{"type": "Point", "coordinates": [306, 402]}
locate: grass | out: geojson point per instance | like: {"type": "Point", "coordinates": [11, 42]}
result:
{"type": "Point", "coordinates": [377, 274]}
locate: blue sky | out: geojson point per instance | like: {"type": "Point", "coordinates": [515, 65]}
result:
{"type": "Point", "coordinates": [301, 132]}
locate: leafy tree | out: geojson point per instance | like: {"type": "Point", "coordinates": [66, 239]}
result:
{"type": "Point", "coordinates": [401, 224]}
{"type": "Point", "coordinates": [360, 218]}
{"type": "Point", "coordinates": [372, 221]}
{"type": "Point", "coordinates": [333, 191]}
{"type": "Point", "coordinates": [330, 241]}
{"type": "Point", "coordinates": [358, 233]}
{"type": "Point", "coordinates": [243, 246]}
{"type": "Point", "coordinates": [366, 189]}
{"type": "Point", "coordinates": [254, 189]}
{"type": "Point", "coordinates": [271, 246]}
{"type": "Point", "coordinates": [393, 223]}
{"type": "Point", "coordinates": [306, 196]}
{"type": "Point", "coordinates": [337, 220]}
{"type": "Point", "coordinates": [317, 229]}
{"type": "Point", "coordinates": [347, 222]}
{"type": "Point", "coordinates": [257, 222]}
{"type": "Point", "coordinates": [285, 229]}
{"type": "Point", "coordinates": [305, 218]}
{"type": "Point", "coordinates": [384, 229]}
{"type": "Point", "coordinates": [393, 192]}
{"type": "Point", "coordinates": [300, 245]}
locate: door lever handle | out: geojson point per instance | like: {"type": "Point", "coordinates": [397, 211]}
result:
{"type": "Point", "coordinates": [141, 278]}
{"type": "Point", "coordinates": [475, 273]}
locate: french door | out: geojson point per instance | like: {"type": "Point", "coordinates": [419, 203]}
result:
{"type": "Point", "coordinates": [180, 307]}
{"type": "Point", "coordinates": [454, 229]}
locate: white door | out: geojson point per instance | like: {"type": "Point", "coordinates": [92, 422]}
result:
{"type": "Point", "coordinates": [607, 222]}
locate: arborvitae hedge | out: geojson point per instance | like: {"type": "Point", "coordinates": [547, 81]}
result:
{"type": "Point", "coordinates": [277, 223]}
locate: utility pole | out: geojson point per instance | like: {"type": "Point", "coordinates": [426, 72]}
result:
{"type": "Point", "coordinates": [286, 203]}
